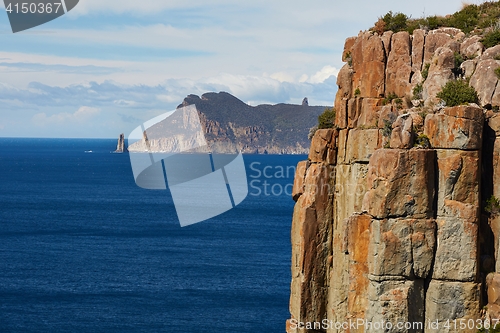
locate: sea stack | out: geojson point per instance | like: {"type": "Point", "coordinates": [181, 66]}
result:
{"type": "Point", "coordinates": [120, 147]}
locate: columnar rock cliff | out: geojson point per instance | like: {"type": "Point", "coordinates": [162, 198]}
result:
{"type": "Point", "coordinates": [390, 224]}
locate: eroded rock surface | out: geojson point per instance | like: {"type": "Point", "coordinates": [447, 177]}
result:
{"type": "Point", "coordinates": [403, 233]}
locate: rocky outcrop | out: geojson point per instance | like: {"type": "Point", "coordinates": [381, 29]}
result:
{"type": "Point", "coordinates": [390, 223]}
{"type": "Point", "coordinates": [120, 147]}
{"type": "Point", "coordinates": [368, 63]}
{"type": "Point", "coordinates": [402, 132]}
{"type": "Point", "coordinates": [399, 65]}
{"type": "Point", "coordinates": [440, 72]}
{"type": "Point", "coordinates": [484, 80]}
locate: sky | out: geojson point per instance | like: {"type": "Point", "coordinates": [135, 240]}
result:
{"type": "Point", "coordinates": [109, 65]}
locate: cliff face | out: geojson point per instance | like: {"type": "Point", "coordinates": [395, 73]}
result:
{"type": "Point", "coordinates": [389, 223]}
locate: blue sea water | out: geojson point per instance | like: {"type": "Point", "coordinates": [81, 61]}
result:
{"type": "Point", "coordinates": [83, 249]}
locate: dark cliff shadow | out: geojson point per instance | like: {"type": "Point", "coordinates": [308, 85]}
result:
{"type": "Point", "coordinates": [486, 237]}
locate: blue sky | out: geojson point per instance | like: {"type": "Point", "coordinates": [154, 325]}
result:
{"type": "Point", "coordinates": [109, 65]}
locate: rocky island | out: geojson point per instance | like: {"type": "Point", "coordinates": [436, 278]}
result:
{"type": "Point", "coordinates": [397, 218]}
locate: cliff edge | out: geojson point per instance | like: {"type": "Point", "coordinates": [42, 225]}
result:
{"type": "Point", "coordinates": [396, 217]}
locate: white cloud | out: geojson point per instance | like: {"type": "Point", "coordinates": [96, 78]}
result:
{"type": "Point", "coordinates": [292, 10]}
{"type": "Point", "coordinates": [41, 119]}
{"type": "Point", "coordinates": [169, 98]}
{"type": "Point", "coordinates": [83, 114]}
{"type": "Point", "coordinates": [282, 77]}
{"type": "Point", "coordinates": [319, 77]}
{"type": "Point", "coordinates": [123, 102]}
{"type": "Point", "coordinates": [277, 88]}
{"type": "Point", "coordinates": [304, 78]}
{"type": "Point", "coordinates": [140, 35]}
{"type": "Point", "coordinates": [252, 88]}
{"type": "Point", "coordinates": [54, 60]}
{"type": "Point", "coordinates": [323, 74]}
{"type": "Point", "coordinates": [132, 6]}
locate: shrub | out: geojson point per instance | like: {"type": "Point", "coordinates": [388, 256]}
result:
{"type": "Point", "coordinates": [357, 92]}
{"type": "Point", "coordinates": [417, 91]}
{"type": "Point", "coordinates": [399, 103]}
{"type": "Point", "coordinates": [423, 114]}
{"type": "Point", "coordinates": [422, 141]}
{"type": "Point", "coordinates": [391, 22]}
{"type": "Point", "coordinates": [348, 58]}
{"type": "Point", "coordinates": [458, 61]}
{"type": "Point", "coordinates": [396, 22]}
{"type": "Point", "coordinates": [433, 22]}
{"type": "Point", "coordinates": [412, 25]}
{"type": "Point", "coordinates": [497, 72]}
{"type": "Point", "coordinates": [458, 92]}
{"type": "Point", "coordinates": [389, 98]}
{"type": "Point", "coordinates": [425, 71]}
{"type": "Point", "coordinates": [327, 118]}
{"type": "Point", "coordinates": [491, 39]}
{"type": "Point", "coordinates": [387, 129]}
{"type": "Point", "coordinates": [492, 205]}
{"type": "Point", "coordinates": [379, 26]}
{"type": "Point", "coordinates": [466, 19]}
{"type": "Point", "coordinates": [470, 17]}
{"type": "Point", "coordinates": [490, 11]}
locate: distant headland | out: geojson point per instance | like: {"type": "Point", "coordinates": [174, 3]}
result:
{"type": "Point", "coordinates": [262, 129]}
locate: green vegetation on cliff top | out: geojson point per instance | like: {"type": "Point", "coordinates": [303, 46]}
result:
{"type": "Point", "coordinates": [471, 18]}
{"type": "Point", "coordinates": [327, 118]}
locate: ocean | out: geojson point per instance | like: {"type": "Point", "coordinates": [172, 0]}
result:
{"type": "Point", "coordinates": [83, 249]}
